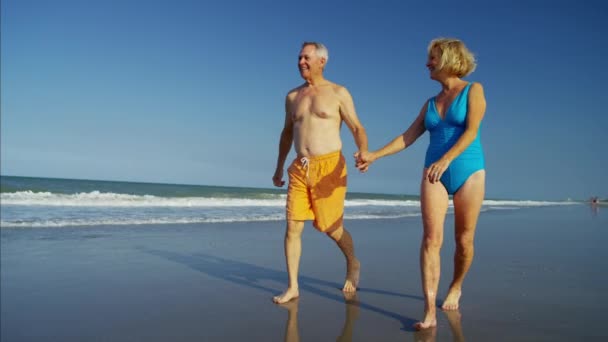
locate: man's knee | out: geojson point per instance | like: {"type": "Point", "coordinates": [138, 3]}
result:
{"type": "Point", "coordinates": [333, 230]}
{"type": "Point", "coordinates": [294, 228]}
{"type": "Point", "coordinates": [336, 233]}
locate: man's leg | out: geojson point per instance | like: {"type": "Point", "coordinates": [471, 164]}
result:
{"type": "Point", "coordinates": [434, 206]}
{"type": "Point", "coordinates": [293, 251]}
{"type": "Point", "coordinates": [353, 267]}
{"type": "Point", "coordinates": [467, 204]}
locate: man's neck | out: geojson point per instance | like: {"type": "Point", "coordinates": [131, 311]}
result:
{"type": "Point", "coordinates": [316, 81]}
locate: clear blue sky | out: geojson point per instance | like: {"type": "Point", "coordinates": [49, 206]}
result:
{"type": "Point", "coordinates": [193, 91]}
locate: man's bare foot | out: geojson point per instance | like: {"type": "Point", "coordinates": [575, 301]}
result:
{"type": "Point", "coordinates": [353, 270]}
{"type": "Point", "coordinates": [451, 301]}
{"type": "Point", "coordinates": [286, 296]}
{"type": "Point", "coordinates": [291, 305]}
{"type": "Point", "coordinates": [350, 297]}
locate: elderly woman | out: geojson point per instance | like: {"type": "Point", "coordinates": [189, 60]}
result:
{"type": "Point", "coordinates": [454, 165]}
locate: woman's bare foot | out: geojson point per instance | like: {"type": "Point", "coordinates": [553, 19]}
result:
{"type": "Point", "coordinates": [353, 270]}
{"type": "Point", "coordinates": [425, 324]}
{"type": "Point", "coordinates": [286, 296]}
{"type": "Point", "coordinates": [452, 300]}
{"type": "Point", "coordinates": [430, 320]}
{"type": "Point", "coordinates": [426, 335]}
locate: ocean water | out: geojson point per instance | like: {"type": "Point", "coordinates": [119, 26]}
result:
{"type": "Point", "coordinates": [47, 202]}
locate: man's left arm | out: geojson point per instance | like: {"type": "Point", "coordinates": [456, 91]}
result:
{"type": "Point", "coordinates": [349, 115]}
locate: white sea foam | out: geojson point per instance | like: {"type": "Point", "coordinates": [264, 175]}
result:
{"type": "Point", "coordinates": [101, 199]}
{"type": "Point", "coordinates": [375, 202]}
{"type": "Point", "coordinates": [525, 203]}
{"type": "Point", "coordinates": [45, 209]}
{"type": "Point", "coordinates": [55, 223]}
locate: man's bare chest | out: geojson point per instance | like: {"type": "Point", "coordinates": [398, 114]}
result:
{"type": "Point", "coordinates": [315, 106]}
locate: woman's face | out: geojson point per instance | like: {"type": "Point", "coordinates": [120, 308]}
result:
{"type": "Point", "coordinates": [433, 61]}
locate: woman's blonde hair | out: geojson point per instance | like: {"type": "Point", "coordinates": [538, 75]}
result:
{"type": "Point", "coordinates": [454, 57]}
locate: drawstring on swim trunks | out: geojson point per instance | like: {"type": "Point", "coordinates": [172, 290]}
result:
{"type": "Point", "coordinates": [304, 162]}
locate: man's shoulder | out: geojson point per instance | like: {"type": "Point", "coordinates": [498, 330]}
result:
{"type": "Point", "coordinates": [337, 88]}
{"type": "Point", "coordinates": [333, 85]}
{"type": "Point", "coordinates": [294, 91]}
{"type": "Point", "coordinates": [340, 90]}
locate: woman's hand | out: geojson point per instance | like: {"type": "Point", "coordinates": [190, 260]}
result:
{"type": "Point", "coordinates": [436, 170]}
{"type": "Point", "coordinates": [363, 159]}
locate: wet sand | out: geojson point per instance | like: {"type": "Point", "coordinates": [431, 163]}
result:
{"type": "Point", "coordinates": [539, 274]}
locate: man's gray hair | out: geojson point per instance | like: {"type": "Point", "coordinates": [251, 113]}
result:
{"type": "Point", "coordinates": [320, 50]}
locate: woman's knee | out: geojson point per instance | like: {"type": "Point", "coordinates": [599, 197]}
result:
{"type": "Point", "coordinates": [432, 241]}
{"type": "Point", "coordinates": [465, 243]}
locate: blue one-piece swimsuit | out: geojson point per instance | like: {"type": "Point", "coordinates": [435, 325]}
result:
{"type": "Point", "coordinates": [444, 134]}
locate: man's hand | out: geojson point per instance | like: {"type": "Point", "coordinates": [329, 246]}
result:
{"type": "Point", "coordinates": [277, 179]}
{"type": "Point", "coordinates": [363, 159]}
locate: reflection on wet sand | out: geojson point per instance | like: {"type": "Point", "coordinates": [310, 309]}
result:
{"type": "Point", "coordinates": [430, 335]}
{"type": "Point", "coordinates": [455, 325]}
{"type": "Point", "coordinates": [594, 209]}
{"type": "Point", "coordinates": [352, 312]}
{"type": "Point", "coordinates": [292, 333]}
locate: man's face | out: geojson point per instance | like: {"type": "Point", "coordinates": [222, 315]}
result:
{"type": "Point", "coordinates": [308, 62]}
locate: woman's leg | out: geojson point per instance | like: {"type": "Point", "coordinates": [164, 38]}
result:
{"type": "Point", "coordinates": [467, 205]}
{"type": "Point", "coordinates": [434, 206]}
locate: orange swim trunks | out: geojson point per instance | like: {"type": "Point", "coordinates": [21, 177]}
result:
{"type": "Point", "coordinates": [317, 189]}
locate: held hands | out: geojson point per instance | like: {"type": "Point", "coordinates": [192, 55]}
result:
{"type": "Point", "coordinates": [436, 170]}
{"type": "Point", "coordinates": [363, 159]}
{"type": "Point", "coordinates": [277, 179]}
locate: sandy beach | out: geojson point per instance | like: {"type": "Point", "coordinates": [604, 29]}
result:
{"type": "Point", "coordinates": [539, 274]}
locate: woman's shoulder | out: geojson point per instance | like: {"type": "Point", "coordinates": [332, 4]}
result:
{"type": "Point", "coordinates": [475, 87]}
{"type": "Point", "coordinates": [474, 84]}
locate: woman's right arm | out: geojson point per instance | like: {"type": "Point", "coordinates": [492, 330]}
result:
{"type": "Point", "coordinates": [398, 144]}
